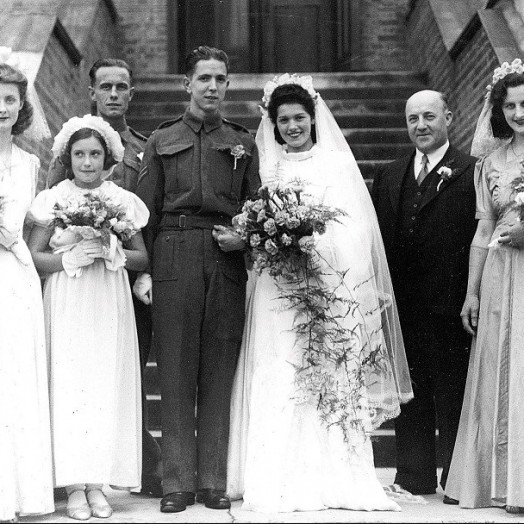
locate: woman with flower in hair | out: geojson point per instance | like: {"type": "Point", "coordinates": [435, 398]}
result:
{"type": "Point", "coordinates": [26, 482]}
{"type": "Point", "coordinates": [487, 468]}
{"type": "Point", "coordinates": [86, 234]}
{"type": "Point", "coordinates": [317, 371]}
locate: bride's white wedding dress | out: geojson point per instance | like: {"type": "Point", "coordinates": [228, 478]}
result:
{"type": "Point", "coordinates": [282, 457]}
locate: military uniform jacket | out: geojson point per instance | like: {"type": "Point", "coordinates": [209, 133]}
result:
{"type": "Point", "coordinates": [123, 174]}
{"type": "Point", "coordinates": [197, 167]}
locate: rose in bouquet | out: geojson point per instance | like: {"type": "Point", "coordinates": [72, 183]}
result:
{"type": "Point", "coordinates": [92, 215]}
{"type": "Point", "coordinates": [281, 226]}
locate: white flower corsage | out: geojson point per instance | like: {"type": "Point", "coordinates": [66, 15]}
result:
{"type": "Point", "coordinates": [446, 174]}
{"type": "Point", "coordinates": [140, 156]}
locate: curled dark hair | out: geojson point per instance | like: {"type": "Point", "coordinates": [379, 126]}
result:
{"type": "Point", "coordinates": [10, 75]}
{"type": "Point", "coordinates": [204, 52]}
{"type": "Point", "coordinates": [109, 62]}
{"type": "Point", "coordinates": [499, 92]}
{"type": "Point", "coordinates": [81, 134]}
{"type": "Point", "coordinates": [290, 94]}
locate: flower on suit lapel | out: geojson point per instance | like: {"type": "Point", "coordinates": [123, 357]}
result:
{"type": "Point", "coordinates": [446, 173]}
{"type": "Point", "coordinates": [238, 152]}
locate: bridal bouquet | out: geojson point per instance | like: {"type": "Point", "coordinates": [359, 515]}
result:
{"type": "Point", "coordinates": [93, 215]}
{"type": "Point", "coordinates": [280, 227]}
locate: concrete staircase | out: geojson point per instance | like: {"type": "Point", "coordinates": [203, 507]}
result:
{"type": "Point", "coordinates": [368, 106]}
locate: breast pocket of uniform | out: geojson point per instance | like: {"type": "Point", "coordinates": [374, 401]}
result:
{"type": "Point", "coordinates": [231, 162]}
{"type": "Point", "coordinates": [165, 260]}
{"type": "Point", "coordinates": [177, 161]}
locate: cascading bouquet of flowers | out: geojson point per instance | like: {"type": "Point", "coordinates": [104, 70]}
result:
{"type": "Point", "coordinates": [93, 215]}
{"type": "Point", "coordinates": [281, 230]}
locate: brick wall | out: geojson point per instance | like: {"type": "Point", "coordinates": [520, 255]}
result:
{"type": "Point", "coordinates": [463, 78]}
{"type": "Point", "coordinates": [384, 45]}
{"type": "Point", "coordinates": [145, 40]}
{"type": "Point", "coordinates": [146, 44]}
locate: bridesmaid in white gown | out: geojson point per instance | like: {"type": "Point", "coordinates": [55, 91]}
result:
{"type": "Point", "coordinates": [26, 482]}
{"type": "Point", "coordinates": [282, 457]}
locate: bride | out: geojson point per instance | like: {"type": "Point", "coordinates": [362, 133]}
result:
{"type": "Point", "coordinates": [284, 454]}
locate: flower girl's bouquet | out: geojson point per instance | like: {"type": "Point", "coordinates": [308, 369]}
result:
{"type": "Point", "coordinates": [281, 227]}
{"type": "Point", "coordinates": [93, 215]}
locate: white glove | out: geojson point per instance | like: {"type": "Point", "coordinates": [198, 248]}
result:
{"type": "Point", "coordinates": [83, 254]}
{"type": "Point", "coordinates": [143, 288]}
{"type": "Point", "coordinates": [22, 253]}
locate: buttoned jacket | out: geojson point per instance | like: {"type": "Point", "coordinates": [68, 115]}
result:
{"type": "Point", "coordinates": [443, 227]}
{"type": "Point", "coordinates": [197, 167]}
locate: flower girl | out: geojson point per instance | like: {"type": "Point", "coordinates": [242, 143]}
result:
{"type": "Point", "coordinates": [26, 482]}
{"type": "Point", "coordinates": [87, 232]}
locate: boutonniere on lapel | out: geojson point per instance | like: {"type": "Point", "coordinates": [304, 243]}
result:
{"type": "Point", "coordinates": [446, 173]}
{"type": "Point", "coordinates": [140, 156]}
{"type": "Point", "coordinates": [238, 152]}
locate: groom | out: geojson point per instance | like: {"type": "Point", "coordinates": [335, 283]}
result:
{"type": "Point", "coordinates": [196, 172]}
{"type": "Point", "coordinates": [425, 204]}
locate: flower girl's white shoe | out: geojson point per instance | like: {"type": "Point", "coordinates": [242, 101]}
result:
{"type": "Point", "coordinates": [98, 503]}
{"type": "Point", "coordinates": [77, 506]}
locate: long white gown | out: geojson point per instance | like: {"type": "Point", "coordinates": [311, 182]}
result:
{"type": "Point", "coordinates": [26, 481]}
{"type": "Point", "coordinates": [282, 458]}
{"type": "Point", "coordinates": [94, 361]}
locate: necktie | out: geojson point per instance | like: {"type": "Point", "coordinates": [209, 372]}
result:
{"type": "Point", "coordinates": [423, 173]}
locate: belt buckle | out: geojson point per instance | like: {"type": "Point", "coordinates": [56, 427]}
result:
{"type": "Point", "coordinates": [182, 221]}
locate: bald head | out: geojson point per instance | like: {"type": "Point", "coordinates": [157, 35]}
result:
{"type": "Point", "coordinates": [428, 119]}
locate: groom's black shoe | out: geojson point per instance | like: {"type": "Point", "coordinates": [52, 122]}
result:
{"type": "Point", "coordinates": [213, 498]}
{"type": "Point", "coordinates": [177, 501]}
{"type": "Point", "coordinates": [449, 500]}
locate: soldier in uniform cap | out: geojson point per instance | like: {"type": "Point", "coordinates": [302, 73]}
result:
{"type": "Point", "coordinates": [111, 90]}
{"type": "Point", "coordinates": [196, 173]}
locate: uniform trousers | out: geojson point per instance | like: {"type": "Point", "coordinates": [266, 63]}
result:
{"type": "Point", "coordinates": [198, 319]}
{"type": "Point", "coordinates": [437, 350]}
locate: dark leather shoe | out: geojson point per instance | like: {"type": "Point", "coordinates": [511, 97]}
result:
{"type": "Point", "coordinates": [151, 487]}
{"type": "Point", "coordinates": [449, 500]}
{"type": "Point", "coordinates": [213, 498]}
{"type": "Point", "coordinates": [177, 501]}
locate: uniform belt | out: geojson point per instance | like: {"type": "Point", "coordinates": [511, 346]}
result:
{"type": "Point", "coordinates": [181, 221]}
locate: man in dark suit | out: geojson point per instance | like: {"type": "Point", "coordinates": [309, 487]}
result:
{"type": "Point", "coordinates": [425, 204]}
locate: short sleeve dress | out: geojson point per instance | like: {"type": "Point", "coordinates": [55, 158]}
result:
{"type": "Point", "coordinates": [486, 469]}
{"type": "Point", "coordinates": [94, 361]}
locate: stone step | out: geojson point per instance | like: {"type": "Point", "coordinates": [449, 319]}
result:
{"type": "Point", "coordinates": [173, 93]}
{"type": "Point", "coordinates": [233, 108]}
{"type": "Point", "coordinates": [148, 123]}
{"type": "Point", "coordinates": [383, 442]}
{"type": "Point", "coordinates": [341, 80]}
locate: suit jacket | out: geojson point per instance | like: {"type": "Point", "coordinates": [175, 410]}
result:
{"type": "Point", "coordinates": [433, 276]}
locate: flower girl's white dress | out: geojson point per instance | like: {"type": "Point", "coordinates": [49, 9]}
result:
{"type": "Point", "coordinates": [282, 458]}
{"type": "Point", "coordinates": [94, 361]}
{"type": "Point", "coordinates": [26, 481]}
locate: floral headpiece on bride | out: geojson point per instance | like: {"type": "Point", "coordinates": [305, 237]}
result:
{"type": "Point", "coordinates": [111, 137]}
{"type": "Point", "coordinates": [304, 81]}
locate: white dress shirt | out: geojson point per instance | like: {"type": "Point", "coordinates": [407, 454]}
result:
{"type": "Point", "coordinates": [433, 158]}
